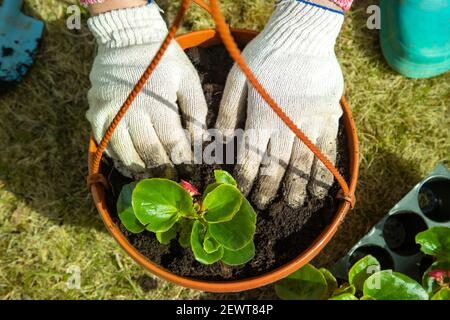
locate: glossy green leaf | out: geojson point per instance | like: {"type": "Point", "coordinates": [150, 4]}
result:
{"type": "Point", "coordinates": [443, 294]}
{"type": "Point", "coordinates": [430, 284]}
{"type": "Point", "coordinates": [222, 204]}
{"type": "Point", "coordinates": [210, 188]}
{"type": "Point", "coordinates": [166, 237]}
{"type": "Point", "coordinates": [331, 281]}
{"type": "Point", "coordinates": [366, 298]}
{"type": "Point", "coordinates": [308, 283]}
{"type": "Point", "coordinates": [158, 203]}
{"type": "Point", "coordinates": [346, 288]}
{"type": "Point", "coordinates": [389, 285]}
{"type": "Point", "coordinates": [344, 296]}
{"type": "Point", "coordinates": [197, 239]}
{"type": "Point", "coordinates": [362, 270]}
{"type": "Point", "coordinates": [224, 177]}
{"type": "Point", "coordinates": [238, 232]}
{"type": "Point", "coordinates": [239, 257]}
{"type": "Point", "coordinates": [435, 242]}
{"type": "Point", "coordinates": [184, 238]}
{"type": "Point", "coordinates": [126, 212]}
{"type": "Point", "coordinates": [210, 244]}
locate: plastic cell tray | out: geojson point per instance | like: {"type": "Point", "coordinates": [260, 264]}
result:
{"type": "Point", "coordinates": [392, 240]}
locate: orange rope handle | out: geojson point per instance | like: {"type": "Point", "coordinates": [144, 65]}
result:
{"type": "Point", "coordinates": [138, 87]}
{"type": "Point", "coordinates": [203, 5]}
{"type": "Point", "coordinates": [97, 178]}
{"type": "Point", "coordinates": [234, 51]}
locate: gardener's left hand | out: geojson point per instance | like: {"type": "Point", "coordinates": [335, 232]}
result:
{"type": "Point", "coordinates": [294, 60]}
{"type": "Point", "coordinates": [151, 138]}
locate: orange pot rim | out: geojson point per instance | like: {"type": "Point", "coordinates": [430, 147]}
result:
{"type": "Point", "coordinates": [206, 38]}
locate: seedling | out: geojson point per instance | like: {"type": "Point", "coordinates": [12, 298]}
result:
{"type": "Point", "coordinates": [217, 225]}
{"type": "Point", "coordinates": [366, 280]}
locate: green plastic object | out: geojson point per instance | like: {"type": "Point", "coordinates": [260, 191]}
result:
{"type": "Point", "coordinates": [415, 36]}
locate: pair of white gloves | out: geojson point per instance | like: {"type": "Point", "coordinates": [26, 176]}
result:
{"type": "Point", "coordinates": [293, 58]}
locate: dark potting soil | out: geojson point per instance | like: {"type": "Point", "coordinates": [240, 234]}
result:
{"type": "Point", "coordinates": [281, 234]}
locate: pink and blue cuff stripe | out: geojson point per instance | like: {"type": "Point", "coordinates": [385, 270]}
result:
{"type": "Point", "coordinates": [344, 4]}
{"type": "Point", "coordinates": [88, 2]}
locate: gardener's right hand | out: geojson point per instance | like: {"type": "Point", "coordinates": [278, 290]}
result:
{"type": "Point", "coordinates": [294, 59]}
{"type": "Point", "coordinates": [150, 138]}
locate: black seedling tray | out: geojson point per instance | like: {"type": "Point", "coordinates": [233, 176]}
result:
{"type": "Point", "coordinates": [392, 240]}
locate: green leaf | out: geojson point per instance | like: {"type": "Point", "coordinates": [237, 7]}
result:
{"type": "Point", "coordinates": [362, 270]}
{"type": "Point", "coordinates": [158, 203]}
{"type": "Point", "coordinates": [197, 239]}
{"type": "Point", "coordinates": [210, 244]}
{"type": "Point", "coordinates": [331, 281]}
{"type": "Point", "coordinates": [308, 283]}
{"type": "Point", "coordinates": [443, 294]}
{"type": "Point", "coordinates": [344, 296]}
{"type": "Point", "coordinates": [210, 188]}
{"type": "Point", "coordinates": [166, 237]}
{"type": "Point", "coordinates": [185, 233]}
{"type": "Point", "coordinates": [366, 298]}
{"type": "Point", "coordinates": [346, 288]}
{"type": "Point", "coordinates": [224, 177]}
{"type": "Point", "coordinates": [126, 212]}
{"type": "Point", "coordinates": [239, 257]}
{"type": "Point", "coordinates": [389, 285]}
{"type": "Point", "coordinates": [238, 232]}
{"type": "Point", "coordinates": [429, 283]}
{"type": "Point", "coordinates": [435, 242]}
{"type": "Point", "coordinates": [222, 204]}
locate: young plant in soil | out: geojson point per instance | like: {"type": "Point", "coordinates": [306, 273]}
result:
{"type": "Point", "coordinates": [217, 225]}
{"type": "Point", "coordinates": [366, 280]}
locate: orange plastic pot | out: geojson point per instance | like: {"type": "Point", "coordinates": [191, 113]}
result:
{"type": "Point", "coordinates": [207, 38]}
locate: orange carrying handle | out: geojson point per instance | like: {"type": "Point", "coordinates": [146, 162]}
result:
{"type": "Point", "coordinates": [228, 40]}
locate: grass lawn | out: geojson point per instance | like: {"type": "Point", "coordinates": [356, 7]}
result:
{"type": "Point", "coordinates": [48, 223]}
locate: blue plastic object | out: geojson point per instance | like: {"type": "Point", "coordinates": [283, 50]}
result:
{"type": "Point", "coordinates": [415, 36]}
{"type": "Point", "coordinates": [19, 38]}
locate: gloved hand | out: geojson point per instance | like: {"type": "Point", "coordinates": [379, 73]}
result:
{"type": "Point", "coordinates": [294, 60]}
{"type": "Point", "coordinates": [150, 138]}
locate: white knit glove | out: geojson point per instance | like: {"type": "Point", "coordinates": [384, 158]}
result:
{"type": "Point", "coordinates": [150, 138]}
{"type": "Point", "coordinates": [294, 60]}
